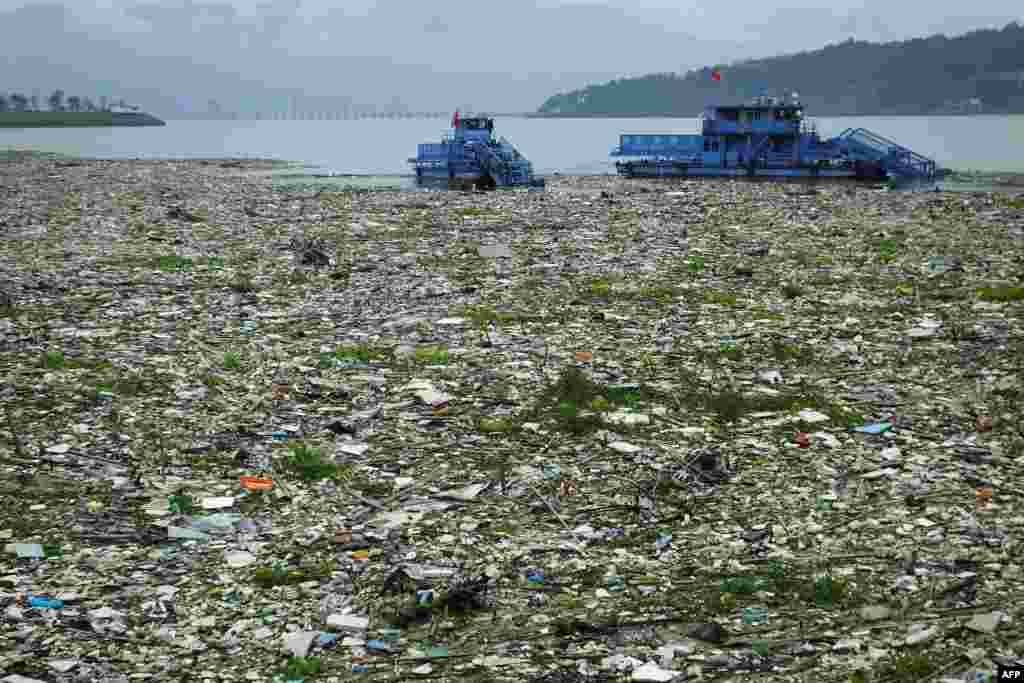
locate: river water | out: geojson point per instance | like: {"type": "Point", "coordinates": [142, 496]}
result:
{"type": "Point", "coordinates": [380, 147]}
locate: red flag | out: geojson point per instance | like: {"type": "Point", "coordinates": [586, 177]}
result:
{"type": "Point", "coordinates": [455, 119]}
{"type": "Point", "coordinates": [715, 75]}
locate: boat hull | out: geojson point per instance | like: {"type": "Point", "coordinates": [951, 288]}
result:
{"type": "Point", "coordinates": [669, 169]}
{"type": "Point", "coordinates": [429, 174]}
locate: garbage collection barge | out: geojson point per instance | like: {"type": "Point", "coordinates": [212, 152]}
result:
{"type": "Point", "coordinates": [469, 155]}
{"type": "Point", "coordinates": [768, 137]}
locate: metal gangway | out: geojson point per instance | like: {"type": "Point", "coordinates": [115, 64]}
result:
{"type": "Point", "coordinates": [506, 167]}
{"type": "Point", "coordinates": [896, 159]}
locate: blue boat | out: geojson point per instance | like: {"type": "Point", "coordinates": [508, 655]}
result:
{"type": "Point", "coordinates": [470, 155]}
{"type": "Point", "coordinates": [771, 138]}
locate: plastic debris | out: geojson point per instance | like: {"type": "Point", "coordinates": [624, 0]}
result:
{"type": "Point", "coordinates": [186, 534]}
{"type": "Point", "coordinates": [239, 558]}
{"type": "Point", "coordinates": [652, 672]}
{"type": "Point", "coordinates": [812, 416]}
{"type": "Point", "coordinates": [44, 602]}
{"type": "Point", "coordinates": [29, 550]}
{"type": "Point", "coordinates": [218, 503]}
{"type": "Point", "coordinates": [754, 615]}
{"type": "Point", "coordinates": [300, 642]}
{"type": "Point", "coordinates": [256, 483]}
{"type": "Point", "coordinates": [874, 428]}
{"type": "Point", "coordinates": [465, 476]}
{"type": "Point", "coordinates": [346, 622]}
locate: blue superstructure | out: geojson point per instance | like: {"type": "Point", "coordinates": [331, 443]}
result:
{"type": "Point", "coordinates": [471, 155]}
{"type": "Point", "coordinates": [767, 137]}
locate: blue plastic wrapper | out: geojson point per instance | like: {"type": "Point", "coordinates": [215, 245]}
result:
{"type": "Point", "coordinates": [377, 644]}
{"type": "Point", "coordinates": [327, 640]}
{"type": "Point", "coordinates": [424, 598]}
{"type": "Point", "coordinates": [45, 603]}
{"type": "Point", "coordinates": [664, 541]}
{"type": "Point", "coordinates": [875, 428]}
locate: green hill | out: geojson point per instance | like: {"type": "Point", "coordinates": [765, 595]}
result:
{"type": "Point", "coordinates": [979, 71]}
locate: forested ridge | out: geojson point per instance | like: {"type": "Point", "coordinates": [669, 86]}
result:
{"type": "Point", "coordinates": [981, 71]}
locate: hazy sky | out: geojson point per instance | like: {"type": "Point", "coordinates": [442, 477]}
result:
{"type": "Point", "coordinates": [496, 55]}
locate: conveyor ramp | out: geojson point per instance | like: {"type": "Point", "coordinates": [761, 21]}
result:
{"type": "Point", "coordinates": [896, 159]}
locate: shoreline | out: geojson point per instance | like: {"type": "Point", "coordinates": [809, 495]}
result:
{"type": "Point", "coordinates": [960, 181]}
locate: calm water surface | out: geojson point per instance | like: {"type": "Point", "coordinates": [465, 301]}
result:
{"type": "Point", "coordinates": [569, 146]}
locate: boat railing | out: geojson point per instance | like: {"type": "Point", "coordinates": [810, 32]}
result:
{"type": "Point", "coordinates": [808, 127]}
{"type": "Point", "coordinates": [893, 155]}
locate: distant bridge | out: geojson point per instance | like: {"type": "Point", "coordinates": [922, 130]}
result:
{"type": "Point", "coordinates": [335, 115]}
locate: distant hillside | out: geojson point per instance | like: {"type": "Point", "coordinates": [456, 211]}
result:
{"type": "Point", "coordinates": [66, 119]}
{"type": "Point", "coordinates": [979, 71]}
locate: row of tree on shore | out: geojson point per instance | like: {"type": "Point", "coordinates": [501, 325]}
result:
{"type": "Point", "coordinates": [57, 101]}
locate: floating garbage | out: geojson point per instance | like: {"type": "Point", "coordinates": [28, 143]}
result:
{"type": "Point", "coordinates": [437, 651]}
{"type": "Point", "coordinates": [755, 615]}
{"type": "Point", "coordinates": [874, 428]}
{"type": "Point", "coordinates": [542, 469]}
{"type": "Point", "coordinates": [217, 503]}
{"type": "Point", "coordinates": [185, 534]}
{"type": "Point", "coordinates": [326, 640]}
{"type": "Point", "coordinates": [219, 520]}
{"type": "Point", "coordinates": [44, 602]}
{"type": "Point", "coordinates": [256, 483]}
{"type": "Point", "coordinates": [29, 550]}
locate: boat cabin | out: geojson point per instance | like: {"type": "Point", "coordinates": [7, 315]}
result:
{"type": "Point", "coordinates": [475, 128]}
{"type": "Point", "coordinates": [771, 118]}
